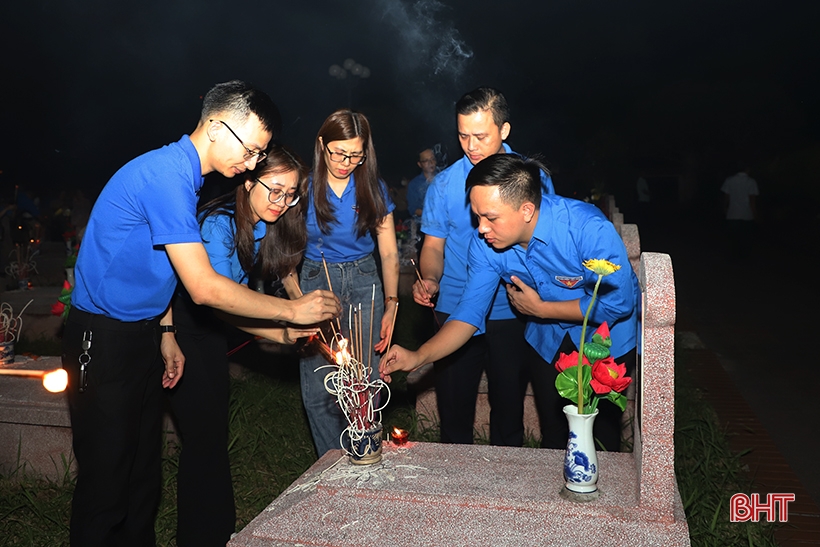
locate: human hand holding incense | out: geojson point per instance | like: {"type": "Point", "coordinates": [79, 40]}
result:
{"type": "Point", "coordinates": [397, 359]}
{"type": "Point", "coordinates": [315, 307]}
{"type": "Point", "coordinates": [423, 292]}
{"type": "Point", "coordinates": [289, 335]}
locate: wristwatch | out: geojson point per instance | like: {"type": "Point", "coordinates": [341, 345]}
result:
{"type": "Point", "coordinates": [167, 328]}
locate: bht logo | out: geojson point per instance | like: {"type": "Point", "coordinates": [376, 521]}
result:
{"type": "Point", "coordinates": [743, 509]}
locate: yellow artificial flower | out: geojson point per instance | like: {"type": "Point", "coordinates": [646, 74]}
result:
{"type": "Point", "coordinates": [601, 266]}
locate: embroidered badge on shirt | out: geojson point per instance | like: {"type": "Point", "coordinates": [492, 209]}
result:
{"type": "Point", "coordinates": [567, 281]}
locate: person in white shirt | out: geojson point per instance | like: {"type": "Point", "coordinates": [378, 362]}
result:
{"type": "Point", "coordinates": [740, 203]}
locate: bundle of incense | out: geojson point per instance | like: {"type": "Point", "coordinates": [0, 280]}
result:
{"type": "Point", "coordinates": [315, 345]}
{"type": "Point", "coordinates": [356, 394]}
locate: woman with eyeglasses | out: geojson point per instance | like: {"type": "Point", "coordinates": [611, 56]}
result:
{"type": "Point", "coordinates": [349, 215]}
{"type": "Point", "coordinates": [259, 226]}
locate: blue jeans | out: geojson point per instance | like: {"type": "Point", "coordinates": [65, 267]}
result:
{"type": "Point", "coordinates": [353, 284]}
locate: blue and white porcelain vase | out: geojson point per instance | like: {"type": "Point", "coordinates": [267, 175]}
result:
{"type": "Point", "coordinates": [365, 446]}
{"type": "Point", "coordinates": [580, 459]}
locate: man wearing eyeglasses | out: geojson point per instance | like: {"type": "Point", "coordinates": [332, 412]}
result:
{"type": "Point", "coordinates": [142, 235]}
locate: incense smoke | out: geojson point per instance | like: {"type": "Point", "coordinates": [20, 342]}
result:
{"type": "Point", "coordinates": [428, 41]}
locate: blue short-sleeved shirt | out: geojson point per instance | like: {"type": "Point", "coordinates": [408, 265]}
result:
{"type": "Point", "coordinates": [416, 190]}
{"type": "Point", "coordinates": [447, 215]}
{"type": "Point", "coordinates": [567, 233]}
{"type": "Point", "coordinates": [218, 236]}
{"type": "Point", "coordinates": [343, 243]}
{"type": "Point", "coordinates": [123, 270]}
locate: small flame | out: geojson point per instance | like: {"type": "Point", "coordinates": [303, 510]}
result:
{"type": "Point", "coordinates": [55, 381]}
{"type": "Point", "coordinates": [399, 436]}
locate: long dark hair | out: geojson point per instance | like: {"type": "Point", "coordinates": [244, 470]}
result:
{"type": "Point", "coordinates": [343, 125]}
{"type": "Point", "coordinates": [284, 243]}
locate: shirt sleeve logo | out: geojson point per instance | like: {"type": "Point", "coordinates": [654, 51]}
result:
{"type": "Point", "coordinates": [567, 281]}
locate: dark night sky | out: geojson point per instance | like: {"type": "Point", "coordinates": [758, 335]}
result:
{"type": "Point", "coordinates": [600, 88]}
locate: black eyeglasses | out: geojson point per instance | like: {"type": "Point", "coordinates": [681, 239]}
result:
{"type": "Point", "coordinates": [275, 195]}
{"type": "Point", "coordinates": [338, 157]}
{"type": "Point", "coordinates": [260, 155]}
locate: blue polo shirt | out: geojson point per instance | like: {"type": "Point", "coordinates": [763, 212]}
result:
{"type": "Point", "coordinates": [218, 236]}
{"type": "Point", "coordinates": [446, 214]}
{"type": "Point", "coordinates": [343, 243]}
{"type": "Point", "coordinates": [123, 271]}
{"type": "Point", "coordinates": [416, 190]}
{"type": "Point", "coordinates": [567, 233]}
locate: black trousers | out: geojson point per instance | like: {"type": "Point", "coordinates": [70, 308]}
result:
{"type": "Point", "coordinates": [510, 364]}
{"type": "Point", "coordinates": [206, 513]}
{"type": "Point", "coordinates": [116, 426]}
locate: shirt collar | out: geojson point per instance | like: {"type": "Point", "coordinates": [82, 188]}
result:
{"type": "Point", "coordinates": [351, 187]}
{"type": "Point", "coordinates": [193, 157]}
{"type": "Point", "coordinates": [544, 226]}
{"type": "Point", "coordinates": [260, 229]}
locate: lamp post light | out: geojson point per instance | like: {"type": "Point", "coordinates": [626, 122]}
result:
{"type": "Point", "coordinates": [351, 72]}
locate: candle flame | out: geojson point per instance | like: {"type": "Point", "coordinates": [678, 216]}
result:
{"type": "Point", "coordinates": [55, 381]}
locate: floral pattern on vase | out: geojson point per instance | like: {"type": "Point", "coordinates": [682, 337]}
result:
{"type": "Point", "coordinates": [580, 458]}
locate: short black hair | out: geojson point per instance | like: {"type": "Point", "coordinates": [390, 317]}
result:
{"type": "Point", "coordinates": [485, 98]}
{"type": "Point", "coordinates": [240, 100]}
{"type": "Point", "coordinates": [518, 179]}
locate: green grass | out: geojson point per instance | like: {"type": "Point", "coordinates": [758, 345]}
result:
{"type": "Point", "coordinates": [270, 446]}
{"type": "Point", "coordinates": [709, 472]}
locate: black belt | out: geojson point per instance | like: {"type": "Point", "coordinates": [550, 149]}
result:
{"type": "Point", "coordinates": [91, 320]}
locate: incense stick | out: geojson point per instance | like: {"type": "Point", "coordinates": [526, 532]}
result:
{"type": "Point", "coordinates": [392, 328]}
{"type": "Point", "coordinates": [423, 286]}
{"type": "Point", "coordinates": [370, 341]}
{"type": "Point", "coordinates": [359, 329]}
{"type": "Point", "coordinates": [330, 286]}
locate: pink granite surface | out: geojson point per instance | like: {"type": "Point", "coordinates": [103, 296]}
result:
{"type": "Point", "coordinates": [632, 242]}
{"type": "Point", "coordinates": [657, 384]}
{"type": "Point", "coordinates": [457, 495]}
{"type": "Point", "coordinates": [35, 431]}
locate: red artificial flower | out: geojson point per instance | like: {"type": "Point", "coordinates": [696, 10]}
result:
{"type": "Point", "coordinates": [566, 361]}
{"type": "Point", "coordinates": [57, 308]}
{"type": "Point", "coordinates": [603, 330]}
{"type": "Point", "coordinates": [607, 375]}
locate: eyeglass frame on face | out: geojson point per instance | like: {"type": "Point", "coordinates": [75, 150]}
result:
{"type": "Point", "coordinates": [281, 195]}
{"type": "Point", "coordinates": [260, 156]}
{"type": "Point", "coordinates": [348, 157]}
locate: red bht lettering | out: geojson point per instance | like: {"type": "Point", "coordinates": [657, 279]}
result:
{"type": "Point", "coordinates": [743, 509]}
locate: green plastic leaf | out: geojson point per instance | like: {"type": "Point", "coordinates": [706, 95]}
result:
{"type": "Point", "coordinates": [567, 384]}
{"type": "Point", "coordinates": [619, 399]}
{"type": "Point", "coordinates": [598, 339]}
